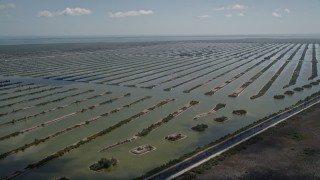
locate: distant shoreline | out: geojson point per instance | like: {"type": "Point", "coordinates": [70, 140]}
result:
{"type": "Point", "coordinates": [24, 40]}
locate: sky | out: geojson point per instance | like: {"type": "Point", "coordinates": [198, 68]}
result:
{"type": "Point", "coordinates": [158, 17]}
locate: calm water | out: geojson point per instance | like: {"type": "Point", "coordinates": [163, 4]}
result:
{"type": "Point", "coordinates": [75, 164]}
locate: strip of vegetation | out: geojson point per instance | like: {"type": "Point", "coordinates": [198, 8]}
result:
{"type": "Point", "coordinates": [214, 90]}
{"type": "Point", "coordinates": [314, 73]}
{"type": "Point", "coordinates": [139, 65]}
{"type": "Point", "coordinates": [166, 70]}
{"type": "Point", "coordinates": [307, 86]}
{"type": "Point", "coordinates": [295, 52]}
{"type": "Point", "coordinates": [84, 123]}
{"type": "Point", "coordinates": [39, 97]}
{"type": "Point", "coordinates": [146, 131]}
{"type": "Point", "coordinates": [202, 75]}
{"type": "Point", "coordinates": [42, 125]}
{"type": "Point", "coordinates": [129, 68]}
{"type": "Point", "coordinates": [60, 99]}
{"type": "Point", "coordinates": [255, 77]}
{"type": "Point", "coordinates": [224, 73]}
{"type": "Point", "coordinates": [30, 88]}
{"type": "Point", "coordinates": [25, 118]}
{"type": "Point", "coordinates": [212, 111]}
{"type": "Point", "coordinates": [4, 81]}
{"type": "Point", "coordinates": [267, 86]}
{"type": "Point", "coordinates": [136, 71]}
{"type": "Point", "coordinates": [195, 71]}
{"type": "Point", "coordinates": [28, 94]}
{"type": "Point", "coordinates": [224, 138]}
{"type": "Point", "coordinates": [19, 86]}
{"type": "Point", "coordinates": [152, 86]}
{"type": "Point", "coordinates": [199, 63]}
{"type": "Point", "coordinates": [9, 84]}
{"type": "Point", "coordinates": [298, 89]}
{"type": "Point", "coordinates": [166, 119]}
{"type": "Point", "coordinates": [296, 72]}
{"type": "Point", "coordinates": [84, 140]}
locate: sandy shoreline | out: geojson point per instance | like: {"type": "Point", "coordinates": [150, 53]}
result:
{"type": "Point", "coordinates": [290, 150]}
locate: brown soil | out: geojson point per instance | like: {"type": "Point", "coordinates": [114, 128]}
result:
{"type": "Point", "coordinates": [290, 150]}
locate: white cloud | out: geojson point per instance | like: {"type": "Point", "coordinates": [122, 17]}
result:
{"type": "Point", "coordinates": [67, 12]}
{"type": "Point", "coordinates": [75, 12]}
{"type": "Point", "coordinates": [240, 14]}
{"type": "Point", "coordinates": [287, 10]}
{"type": "Point", "coordinates": [231, 7]}
{"type": "Point", "coordinates": [275, 14]}
{"type": "Point", "coordinates": [130, 13]}
{"type": "Point", "coordinates": [280, 12]}
{"type": "Point", "coordinates": [7, 6]}
{"type": "Point", "coordinates": [204, 16]}
{"type": "Point", "coordinates": [238, 7]}
{"type": "Point", "coordinates": [229, 15]}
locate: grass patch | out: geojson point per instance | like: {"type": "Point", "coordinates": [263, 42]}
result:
{"type": "Point", "coordinates": [296, 136]}
{"type": "Point", "coordinates": [221, 119]}
{"type": "Point", "coordinates": [289, 93]}
{"type": "Point", "coordinates": [279, 97]}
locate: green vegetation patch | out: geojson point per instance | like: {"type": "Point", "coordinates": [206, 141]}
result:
{"type": "Point", "coordinates": [239, 112]}
{"type": "Point", "coordinates": [200, 127]}
{"type": "Point", "coordinates": [296, 136]}
{"type": "Point", "coordinates": [103, 163]}
{"type": "Point", "coordinates": [289, 93]}
{"type": "Point", "coordinates": [298, 89]}
{"type": "Point", "coordinates": [311, 152]}
{"type": "Point", "coordinates": [307, 86]}
{"type": "Point", "coordinates": [219, 106]}
{"type": "Point", "coordinates": [221, 119]}
{"type": "Point", "coordinates": [279, 97]}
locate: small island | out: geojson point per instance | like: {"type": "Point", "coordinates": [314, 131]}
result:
{"type": "Point", "coordinates": [239, 112]}
{"type": "Point", "coordinates": [194, 102]}
{"type": "Point", "coordinates": [279, 97]}
{"type": "Point", "coordinates": [142, 149]}
{"type": "Point", "coordinates": [307, 86]}
{"type": "Point", "coordinates": [298, 89]}
{"type": "Point", "coordinates": [221, 119]}
{"type": "Point", "coordinates": [289, 93]}
{"type": "Point", "coordinates": [103, 163]}
{"type": "Point", "coordinates": [200, 127]}
{"type": "Point", "coordinates": [175, 137]}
